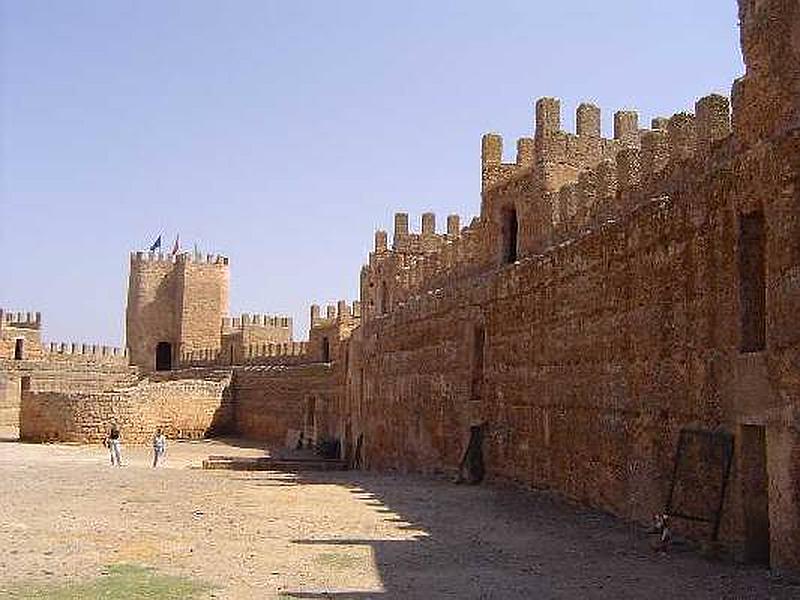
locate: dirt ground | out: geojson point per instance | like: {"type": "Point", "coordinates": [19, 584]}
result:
{"type": "Point", "coordinates": [67, 516]}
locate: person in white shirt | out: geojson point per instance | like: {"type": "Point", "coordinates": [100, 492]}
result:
{"type": "Point", "coordinates": [159, 447]}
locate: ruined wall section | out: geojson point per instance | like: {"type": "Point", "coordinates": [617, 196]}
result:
{"type": "Point", "coordinates": [186, 405]}
{"type": "Point", "coordinates": [601, 347]}
{"type": "Point", "coordinates": [271, 401]}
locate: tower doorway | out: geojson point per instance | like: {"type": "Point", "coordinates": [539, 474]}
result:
{"type": "Point", "coordinates": [19, 347]}
{"type": "Point", "coordinates": [163, 356]}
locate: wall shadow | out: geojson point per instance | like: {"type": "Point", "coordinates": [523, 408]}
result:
{"type": "Point", "coordinates": [458, 541]}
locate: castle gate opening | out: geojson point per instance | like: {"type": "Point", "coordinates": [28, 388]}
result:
{"type": "Point", "coordinates": [163, 356]}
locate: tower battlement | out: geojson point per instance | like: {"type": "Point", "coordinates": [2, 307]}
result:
{"type": "Point", "coordinates": [255, 320]}
{"type": "Point", "coordinates": [183, 257]}
{"type": "Point", "coordinates": [27, 320]}
{"type": "Point", "coordinates": [553, 155]}
{"type": "Point", "coordinates": [176, 304]}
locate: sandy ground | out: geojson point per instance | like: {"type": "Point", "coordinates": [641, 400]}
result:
{"type": "Point", "coordinates": [65, 514]}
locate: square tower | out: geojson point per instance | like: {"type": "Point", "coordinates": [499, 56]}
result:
{"type": "Point", "coordinates": [175, 305]}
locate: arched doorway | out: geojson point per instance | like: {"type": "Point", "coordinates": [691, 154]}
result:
{"type": "Point", "coordinates": [163, 356]}
{"type": "Point", "coordinates": [19, 346]}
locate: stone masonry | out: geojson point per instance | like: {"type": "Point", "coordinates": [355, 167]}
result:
{"type": "Point", "coordinates": [620, 319]}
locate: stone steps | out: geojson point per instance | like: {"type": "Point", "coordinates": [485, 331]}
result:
{"type": "Point", "coordinates": [268, 463]}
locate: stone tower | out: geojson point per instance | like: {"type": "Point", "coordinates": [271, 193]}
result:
{"type": "Point", "coordinates": [175, 305]}
{"type": "Point", "coordinates": [766, 101]}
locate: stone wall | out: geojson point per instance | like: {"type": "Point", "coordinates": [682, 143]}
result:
{"type": "Point", "coordinates": [179, 300]}
{"type": "Point", "coordinates": [603, 339]}
{"type": "Point", "coordinates": [271, 400]}
{"type": "Point", "coordinates": [189, 404]}
{"type": "Point", "coordinates": [612, 294]}
{"type": "Point", "coordinates": [9, 405]}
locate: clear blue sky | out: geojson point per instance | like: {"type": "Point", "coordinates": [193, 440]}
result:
{"type": "Point", "coordinates": [282, 134]}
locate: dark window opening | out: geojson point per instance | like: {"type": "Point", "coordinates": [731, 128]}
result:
{"type": "Point", "coordinates": [384, 299]}
{"type": "Point", "coordinates": [326, 350]}
{"type": "Point", "coordinates": [163, 356]}
{"type": "Point", "coordinates": [25, 383]}
{"type": "Point", "coordinates": [752, 285]}
{"type": "Point", "coordinates": [19, 345]}
{"type": "Point", "coordinates": [510, 231]}
{"type": "Point", "coordinates": [478, 344]}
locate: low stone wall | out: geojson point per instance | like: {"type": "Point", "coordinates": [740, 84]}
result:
{"type": "Point", "coordinates": [186, 405]}
{"type": "Point", "coordinates": [9, 403]}
{"type": "Point", "coordinates": [66, 375]}
{"type": "Point", "coordinates": [272, 400]}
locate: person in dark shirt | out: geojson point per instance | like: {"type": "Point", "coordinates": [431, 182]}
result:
{"type": "Point", "coordinates": [113, 445]}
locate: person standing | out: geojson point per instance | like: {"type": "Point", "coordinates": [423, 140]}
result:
{"type": "Point", "coordinates": [159, 446]}
{"type": "Point", "coordinates": [113, 445]}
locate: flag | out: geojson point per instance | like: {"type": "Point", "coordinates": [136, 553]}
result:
{"type": "Point", "coordinates": [156, 245]}
{"type": "Point", "coordinates": [176, 247]}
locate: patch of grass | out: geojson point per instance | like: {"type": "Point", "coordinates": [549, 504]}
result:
{"type": "Point", "coordinates": [123, 582]}
{"type": "Point", "coordinates": [337, 560]}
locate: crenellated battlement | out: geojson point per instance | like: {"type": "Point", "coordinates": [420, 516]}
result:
{"type": "Point", "coordinates": [553, 156]}
{"type": "Point", "coordinates": [257, 353]}
{"type": "Point", "coordinates": [256, 320]}
{"type": "Point", "coordinates": [26, 320]}
{"type": "Point", "coordinates": [90, 352]}
{"type": "Point", "coordinates": [555, 200]}
{"type": "Point", "coordinates": [337, 313]}
{"type": "Point", "coordinates": [425, 241]}
{"type": "Point", "coordinates": [609, 188]}
{"type": "Point", "coordinates": [183, 257]}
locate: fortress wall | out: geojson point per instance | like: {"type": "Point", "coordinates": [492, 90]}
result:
{"type": "Point", "coordinates": [271, 400]}
{"type": "Point", "coordinates": [203, 302]}
{"type": "Point", "coordinates": [9, 404]}
{"type": "Point", "coordinates": [185, 404]}
{"type": "Point", "coordinates": [601, 348]}
{"type": "Point", "coordinates": [152, 307]}
{"type": "Point", "coordinates": [25, 326]}
{"type": "Point", "coordinates": [68, 375]}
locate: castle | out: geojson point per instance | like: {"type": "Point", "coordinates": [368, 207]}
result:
{"type": "Point", "coordinates": [620, 320]}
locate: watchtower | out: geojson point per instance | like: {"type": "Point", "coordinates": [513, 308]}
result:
{"type": "Point", "coordinates": [175, 305]}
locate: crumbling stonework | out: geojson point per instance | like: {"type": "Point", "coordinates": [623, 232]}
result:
{"type": "Point", "coordinates": [185, 405]}
{"type": "Point", "coordinates": [611, 294]}
{"type": "Point", "coordinates": [271, 401]}
{"type": "Point", "coordinates": [613, 297]}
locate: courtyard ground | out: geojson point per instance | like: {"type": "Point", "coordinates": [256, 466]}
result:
{"type": "Point", "coordinates": [71, 526]}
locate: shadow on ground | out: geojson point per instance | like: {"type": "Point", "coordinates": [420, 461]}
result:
{"type": "Point", "coordinates": [493, 542]}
